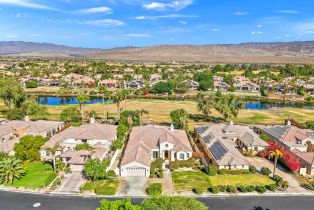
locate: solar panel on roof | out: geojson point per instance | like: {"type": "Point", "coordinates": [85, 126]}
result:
{"type": "Point", "coordinates": [207, 138]}
{"type": "Point", "coordinates": [217, 150]}
{"type": "Point", "coordinates": [201, 130]}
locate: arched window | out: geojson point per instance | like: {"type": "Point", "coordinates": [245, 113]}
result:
{"type": "Point", "coordinates": [181, 156]}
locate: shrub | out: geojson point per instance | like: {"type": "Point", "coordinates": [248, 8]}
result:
{"type": "Point", "coordinates": [307, 186]}
{"type": "Point", "coordinates": [154, 189]}
{"type": "Point", "coordinates": [111, 174]}
{"type": "Point", "coordinates": [252, 169]}
{"type": "Point", "coordinates": [250, 188]}
{"type": "Point", "coordinates": [190, 163]}
{"type": "Point", "coordinates": [222, 188]}
{"type": "Point", "coordinates": [260, 189]}
{"type": "Point", "coordinates": [277, 178]}
{"type": "Point", "coordinates": [212, 170]}
{"type": "Point", "coordinates": [265, 171]}
{"type": "Point", "coordinates": [283, 185]}
{"type": "Point", "coordinates": [156, 170]}
{"type": "Point", "coordinates": [272, 187]}
{"type": "Point", "coordinates": [214, 190]}
{"type": "Point", "coordinates": [231, 189]}
{"type": "Point", "coordinates": [198, 190]}
{"type": "Point", "coordinates": [233, 172]}
{"type": "Point", "coordinates": [241, 188]}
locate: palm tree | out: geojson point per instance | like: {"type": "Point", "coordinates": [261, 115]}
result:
{"type": "Point", "coordinates": [11, 168]}
{"type": "Point", "coordinates": [180, 118]}
{"type": "Point", "coordinates": [143, 113]}
{"type": "Point", "coordinates": [53, 150]}
{"type": "Point", "coordinates": [228, 106]}
{"type": "Point", "coordinates": [204, 105]}
{"type": "Point", "coordinates": [82, 99]}
{"type": "Point", "coordinates": [106, 95]}
{"type": "Point", "coordinates": [276, 154]}
{"type": "Point", "coordinates": [117, 98]}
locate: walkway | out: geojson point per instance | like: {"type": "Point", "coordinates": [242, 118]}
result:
{"type": "Point", "coordinates": [294, 186]}
{"type": "Point", "coordinates": [166, 182]}
{"type": "Point", "coordinates": [71, 183]}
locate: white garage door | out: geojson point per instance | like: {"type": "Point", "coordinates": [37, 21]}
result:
{"type": "Point", "coordinates": [135, 171]}
{"type": "Point", "coordinates": [76, 168]}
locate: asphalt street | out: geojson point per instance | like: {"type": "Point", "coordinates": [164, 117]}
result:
{"type": "Point", "coordinates": [21, 201]}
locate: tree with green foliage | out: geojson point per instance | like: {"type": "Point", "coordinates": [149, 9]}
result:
{"type": "Point", "coordinates": [228, 106]}
{"type": "Point", "coordinates": [310, 125]}
{"type": "Point", "coordinates": [180, 118]}
{"type": "Point", "coordinates": [124, 204]}
{"type": "Point", "coordinates": [84, 146]}
{"type": "Point", "coordinates": [204, 104]}
{"type": "Point", "coordinates": [276, 154]}
{"type": "Point", "coordinates": [81, 99]}
{"type": "Point", "coordinates": [16, 114]}
{"type": "Point", "coordinates": [12, 94]}
{"type": "Point", "coordinates": [96, 169]}
{"type": "Point", "coordinates": [3, 155]}
{"type": "Point", "coordinates": [106, 96]}
{"type": "Point", "coordinates": [53, 150]}
{"type": "Point", "coordinates": [164, 87]}
{"type": "Point", "coordinates": [143, 114]}
{"type": "Point", "coordinates": [28, 147]}
{"type": "Point", "coordinates": [70, 114]}
{"type": "Point", "coordinates": [117, 99]}
{"type": "Point", "coordinates": [32, 84]}
{"type": "Point", "coordinates": [172, 203]}
{"type": "Point", "coordinates": [11, 169]}
{"type": "Point", "coordinates": [38, 111]}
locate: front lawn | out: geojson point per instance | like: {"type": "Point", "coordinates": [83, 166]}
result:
{"type": "Point", "coordinates": [241, 179]}
{"type": "Point", "coordinates": [102, 187]}
{"type": "Point", "coordinates": [189, 180]}
{"type": "Point", "coordinates": [38, 175]}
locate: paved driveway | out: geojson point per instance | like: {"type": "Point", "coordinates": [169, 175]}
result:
{"type": "Point", "coordinates": [71, 183]}
{"type": "Point", "coordinates": [135, 186]}
{"type": "Point", "coordinates": [294, 185]}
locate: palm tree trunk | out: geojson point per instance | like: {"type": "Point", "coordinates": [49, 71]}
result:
{"type": "Point", "coordinates": [54, 163]}
{"type": "Point", "coordinates": [103, 101]}
{"type": "Point", "coordinates": [275, 165]}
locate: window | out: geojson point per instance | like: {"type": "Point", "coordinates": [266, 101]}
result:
{"type": "Point", "coordinates": [255, 148]}
{"type": "Point", "coordinates": [167, 145]}
{"type": "Point", "coordinates": [188, 155]}
{"type": "Point", "coordinates": [181, 156]}
{"type": "Point", "coordinates": [155, 154]}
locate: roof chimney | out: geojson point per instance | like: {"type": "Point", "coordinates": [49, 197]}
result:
{"type": "Point", "coordinates": [231, 123]}
{"type": "Point", "coordinates": [288, 122]}
{"type": "Point", "coordinates": [171, 128]}
{"type": "Point", "coordinates": [26, 118]}
{"type": "Point", "coordinates": [92, 120]}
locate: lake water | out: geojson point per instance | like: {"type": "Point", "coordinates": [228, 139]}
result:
{"type": "Point", "coordinates": [254, 105]}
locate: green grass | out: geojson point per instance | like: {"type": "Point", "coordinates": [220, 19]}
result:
{"type": "Point", "coordinates": [242, 179]}
{"type": "Point", "coordinates": [102, 187]}
{"type": "Point", "coordinates": [188, 180]}
{"type": "Point", "coordinates": [38, 175]}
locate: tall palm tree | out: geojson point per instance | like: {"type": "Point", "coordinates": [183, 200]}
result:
{"type": "Point", "coordinates": [83, 98]}
{"type": "Point", "coordinates": [53, 150]}
{"type": "Point", "coordinates": [11, 169]}
{"type": "Point", "coordinates": [276, 154]}
{"type": "Point", "coordinates": [143, 113]}
{"type": "Point", "coordinates": [228, 106]}
{"type": "Point", "coordinates": [106, 95]}
{"type": "Point", "coordinates": [117, 99]}
{"type": "Point", "coordinates": [180, 117]}
{"type": "Point", "coordinates": [204, 105]}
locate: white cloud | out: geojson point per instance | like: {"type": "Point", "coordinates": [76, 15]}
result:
{"type": "Point", "coordinates": [138, 35]}
{"type": "Point", "coordinates": [288, 11]}
{"type": "Point", "coordinates": [259, 26]}
{"type": "Point", "coordinates": [95, 10]}
{"type": "Point", "coordinates": [207, 27]}
{"type": "Point", "coordinates": [241, 13]}
{"type": "Point", "coordinates": [26, 3]}
{"type": "Point", "coordinates": [165, 17]}
{"type": "Point", "coordinates": [183, 22]}
{"type": "Point", "coordinates": [34, 35]}
{"type": "Point", "coordinates": [161, 6]}
{"type": "Point", "coordinates": [257, 32]}
{"type": "Point", "coordinates": [22, 15]}
{"type": "Point", "coordinates": [12, 35]}
{"type": "Point", "coordinates": [103, 22]}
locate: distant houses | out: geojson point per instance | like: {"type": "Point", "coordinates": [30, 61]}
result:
{"type": "Point", "coordinates": [244, 84]}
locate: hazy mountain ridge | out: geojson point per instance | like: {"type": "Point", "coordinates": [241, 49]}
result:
{"type": "Point", "coordinates": [274, 52]}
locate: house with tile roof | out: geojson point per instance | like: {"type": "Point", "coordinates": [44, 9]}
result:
{"type": "Point", "coordinates": [298, 141]}
{"type": "Point", "coordinates": [222, 144]}
{"type": "Point", "coordinates": [98, 136]}
{"type": "Point", "coordinates": [12, 131]}
{"type": "Point", "coordinates": [147, 143]}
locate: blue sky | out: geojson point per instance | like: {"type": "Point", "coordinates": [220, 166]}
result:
{"type": "Point", "coordinates": [118, 23]}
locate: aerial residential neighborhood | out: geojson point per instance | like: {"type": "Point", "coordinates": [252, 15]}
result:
{"type": "Point", "coordinates": [156, 105]}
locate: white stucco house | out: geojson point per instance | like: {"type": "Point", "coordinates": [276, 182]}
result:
{"type": "Point", "coordinates": [147, 143]}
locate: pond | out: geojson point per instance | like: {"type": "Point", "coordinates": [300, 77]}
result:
{"type": "Point", "coordinates": [254, 105]}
